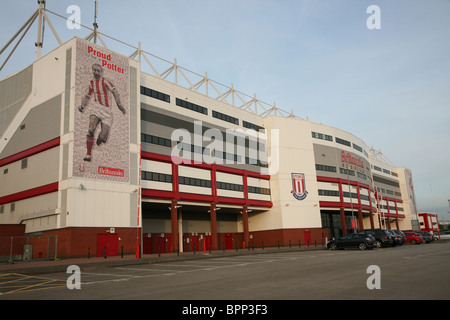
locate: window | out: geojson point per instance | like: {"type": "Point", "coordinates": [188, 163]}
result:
{"type": "Point", "coordinates": [194, 182]}
{"type": "Point", "coordinates": [320, 167]}
{"type": "Point", "coordinates": [5, 171]}
{"type": "Point", "coordinates": [230, 186]}
{"type": "Point", "coordinates": [156, 176]}
{"type": "Point", "coordinates": [155, 94]}
{"type": "Point", "coordinates": [258, 190]}
{"type": "Point", "coordinates": [361, 175]}
{"type": "Point", "coordinates": [344, 142]}
{"type": "Point", "coordinates": [321, 136]}
{"type": "Point", "coordinates": [328, 193]}
{"type": "Point", "coordinates": [191, 106]}
{"type": "Point", "coordinates": [24, 164]}
{"type": "Point", "coordinates": [386, 181]}
{"type": "Point", "coordinates": [156, 140]}
{"type": "Point", "coordinates": [249, 125]}
{"type": "Point", "coordinates": [347, 171]}
{"type": "Point", "coordinates": [225, 117]}
{"type": "Point", "coordinates": [356, 147]}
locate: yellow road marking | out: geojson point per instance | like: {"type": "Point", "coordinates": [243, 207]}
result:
{"type": "Point", "coordinates": [14, 282]}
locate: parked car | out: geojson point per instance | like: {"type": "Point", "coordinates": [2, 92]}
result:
{"type": "Point", "coordinates": [427, 237]}
{"type": "Point", "coordinates": [396, 237]}
{"type": "Point", "coordinates": [413, 238]}
{"type": "Point", "coordinates": [402, 236]}
{"type": "Point", "coordinates": [353, 240]}
{"type": "Point", "coordinates": [382, 237]}
{"type": "Point", "coordinates": [445, 235]}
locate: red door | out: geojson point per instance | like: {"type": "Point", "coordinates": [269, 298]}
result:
{"type": "Point", "coordinates": [107, 245]}
{"type": "Point", "coordinates": [228, 241]}
{"type": "Point", "coordinates": [307, 238]}
{"type": "Point", "coordinates": [147, 243]}
{"type": "Point", "coordinates": [194, 243]}
{"type": "Point", "coordinates": [159, 243]}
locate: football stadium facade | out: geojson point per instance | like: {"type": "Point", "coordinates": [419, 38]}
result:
{"type": "Point", "coordinates": [107, 158]}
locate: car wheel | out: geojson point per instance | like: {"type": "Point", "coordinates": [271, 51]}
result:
{"type": "Point", "coordinates": [378, 243]}
{"type": "Point", "coordinates": [333, 246]}
{"type": "Point", "coordinates": [362, 246]}
{"type": "Point", "coordinates": [413, 241]}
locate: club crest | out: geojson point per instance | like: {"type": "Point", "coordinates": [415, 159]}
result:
{"type": "Point", "coordinates": [298, 186]}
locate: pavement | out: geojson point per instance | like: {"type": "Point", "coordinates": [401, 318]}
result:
{"type": "Point", "coordinates": [60, 265]}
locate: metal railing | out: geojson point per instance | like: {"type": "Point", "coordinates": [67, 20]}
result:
{"type": "Point", "coordinates": [28, 248]}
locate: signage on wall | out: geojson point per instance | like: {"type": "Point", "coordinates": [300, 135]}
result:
{"type": "Point", "coordinates": [352, 162]}
{"type": "Point", "coordinates": [298, 186]}
{"type": "Point", "coordinates": [101, 131]}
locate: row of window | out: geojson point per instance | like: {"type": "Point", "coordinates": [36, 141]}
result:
{"type": "Point", "coordinates": [23, 165]}
{"type": "Point", "coordinates": [189, 181]}
{"type": "Point", "coordinates": [219, 154]}
{"type": "Point", "coordinates": [385, 171]}
{"type": "Point", "coordinates": [389, 192]}
{"type": "Point", "coordinates": [156, 140]}
{"type": "Point", "coordinates": [335, 193]}
{"type": "Point", "coordinates": [225, 117]}
{"type": "Point", "coordinates": [191, 106]}
{"type": "Point", "coordinates": [12, 208]}
{"type": "Point", "coordinates": [155, 94]}
{"type": "Point", "coordinates": [344, 142]}
{"type": "Point", "coordinates": [197, 108]}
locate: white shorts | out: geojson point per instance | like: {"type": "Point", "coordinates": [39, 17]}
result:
{"type": "Point", "coordinates": [103, 113]}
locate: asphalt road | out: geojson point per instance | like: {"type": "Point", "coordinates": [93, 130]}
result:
{"type": "Point", "coordinates": [406, 272]}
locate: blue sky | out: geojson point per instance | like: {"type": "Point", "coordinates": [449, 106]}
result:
{"type": "Point", "coordinates": [390, 87]}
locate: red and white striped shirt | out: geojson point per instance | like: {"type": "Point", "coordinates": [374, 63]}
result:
{"type": "Point", "coordinates": [100, 89]}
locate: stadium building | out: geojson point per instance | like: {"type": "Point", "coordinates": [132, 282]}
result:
{"type": "Point", "coordinates": [102, 158]}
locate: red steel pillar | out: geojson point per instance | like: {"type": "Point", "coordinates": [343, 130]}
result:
{"type": "Point", "coordinates": [213, 217]}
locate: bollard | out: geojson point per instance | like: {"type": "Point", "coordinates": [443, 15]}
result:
{"type": "Point", "coordinates": [236, 245]}
{"type": "Point", "coordinates": [159, 250]}
{"type": "Point", "coordinates": [262, 245]}
{"type": "Point", "coordinates": [223, 246]}
{"type": "Point", "coordinates": [278, 244]}
{"type": "Point", "coordinates": [89, 253]}
{"type": "Point", "coordinates": [104, 252]}
{"type": "Point", "coordinates": [299, 243]}
{"type": "Point", "coordinates": [121, 252]}
{"type": "Point", "coordinates": [194, 248]}
{"type": "Point", "coordinates": [289, 244]}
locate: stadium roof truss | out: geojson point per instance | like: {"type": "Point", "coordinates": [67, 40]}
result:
{"type": "Point", "coordinates": [173, 73]}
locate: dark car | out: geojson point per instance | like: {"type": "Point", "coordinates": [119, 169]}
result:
{"type": "Point", "coordinates": [427, 237]}
{"type": "Point", "coordinates": [382, 237]}
{"type": "Point", "coordinates": [353, 240]}
{"type": "Point", "coordinates": [403, 237]}
{"type": "Point", "coordinates": [398, 237]}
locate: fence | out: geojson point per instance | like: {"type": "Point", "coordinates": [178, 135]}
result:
{"type": "Point", "coordinates": [27, 248]}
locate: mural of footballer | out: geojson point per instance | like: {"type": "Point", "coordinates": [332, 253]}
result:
{"type": "Point", "coordinates": [100, 89]}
